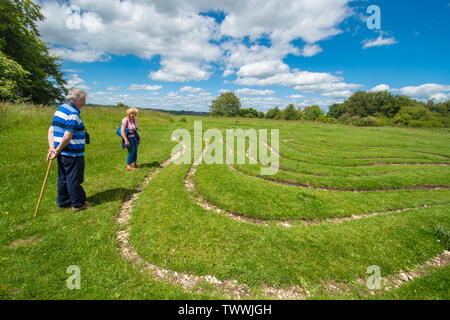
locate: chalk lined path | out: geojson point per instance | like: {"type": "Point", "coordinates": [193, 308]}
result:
{"type": "Point", "coordinates": [370, 147]}
{"type": "Point", "coordinates": [323, 188]}
{"type": "Point", "coordinates": [366, 158]}
{"type": "Point", "coordinates": [231, 288]}
{"type": "Point", "coordinates": [209, 206]}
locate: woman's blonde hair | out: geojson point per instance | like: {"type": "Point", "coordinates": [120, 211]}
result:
{"type": "Point", "coordinates": [132, 110]}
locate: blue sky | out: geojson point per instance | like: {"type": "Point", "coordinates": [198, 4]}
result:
{"type": "Point", "coordinates": [178, 54]}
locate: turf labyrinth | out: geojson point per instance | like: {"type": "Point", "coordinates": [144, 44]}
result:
{"type": "Point", "coordinates": [310, 230]}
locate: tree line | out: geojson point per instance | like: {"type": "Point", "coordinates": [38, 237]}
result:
{"type": "Point", "coordinates": [361, 109]}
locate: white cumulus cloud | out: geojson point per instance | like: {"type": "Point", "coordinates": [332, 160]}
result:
{"type": "Point", "coordinates": [295, 77]}
{"type": "Point", "coordinates": [380, 41]}
{"type": "Point", "coordinates": [381, 87]}
{"type": "Point", "coordinates": [311, 50]}
{"type": "Point", "coordinates": [76, 82]}
{"type": "Point", "coordinates": [176, 70]}
{"type": "Point", "coordinates": [440, 97]}
{"type": "Point", "coordinates": [427, 90]}
{"type": "Point", "coordinates": [113, 88]}
{"type": "Point", "coordinates": [199, 91]}
{"type": "Point", "coordinates": [338, 94]}
{"type": "Point", "coordinates": [253, 92]}
{"type": "Point", "coordinates": [190, 44]}
{"type": "Point", "coordinates": [80, 54]}
{"type": "Point", "coordinates": [135, 87]}
{"type": "Point", "coordinates": [334, 89]}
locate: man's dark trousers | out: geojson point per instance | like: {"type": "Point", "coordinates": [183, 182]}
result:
{"type": "Point", "coordinates": [70, 177]}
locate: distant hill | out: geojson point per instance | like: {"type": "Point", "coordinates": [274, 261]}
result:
{"type": "Point", "coordinates": [174, 112]}
{"type": "Point", "coordinates": [183, 112]}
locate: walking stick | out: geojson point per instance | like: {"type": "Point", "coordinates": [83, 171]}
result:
{"type": "Point", "coordinates": [43, 186]}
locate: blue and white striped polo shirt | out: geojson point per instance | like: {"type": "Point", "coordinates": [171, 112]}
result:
{"type": "Point", "coordinates": [67, 118]}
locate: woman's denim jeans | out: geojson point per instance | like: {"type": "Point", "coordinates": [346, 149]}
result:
{"type": "Point", "coordinates": [132, 151]}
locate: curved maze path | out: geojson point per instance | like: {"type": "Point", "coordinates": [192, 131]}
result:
{"type": "Point", "coordinates": [232, 288]}
{"type": "Point", "coordinates": [323, 188]}
{"type": "Point", "coordinates": [189, 282]}
{"type": "Point", "coordinates": [208, 205]}
{"type": "Point", "coordinates": [288, 141]}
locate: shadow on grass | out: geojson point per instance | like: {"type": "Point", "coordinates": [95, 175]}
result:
{"type": "Point", "coordinates": [118, 193]}
{"type": "Point", "coordinates": [154, 164]}
{"type": "Point", "coordinates": [111, 195]}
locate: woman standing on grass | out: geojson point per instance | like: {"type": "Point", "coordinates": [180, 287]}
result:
{"type": "Point", "coordinates": [130, 137]}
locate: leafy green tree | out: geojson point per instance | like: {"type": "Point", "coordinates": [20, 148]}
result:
{"type": "Point", "coordinates": [290, 113]}
{"type": "Point", "coordinates": [227, 104]}
{"type": "Point", "coordinates": [301, 113]}
{"type": "Point", "coordinates": [12, 77]}
{"type": "Point", "coordinates": [273, 113]}
{"type": "Point", "coordinates": [358, 104]}
{"type": "Point", "coordinates": [19, 41]}
{"type": "Point", "coordinates": [121, 105]}
{"type": "Point", "coordinates": [248, 113]}
{"type": "Point", "coordinates": [384, 108]}
{"type": "Point", "coordinates": [381, 103]}
{"type": "Point", "coordinates": [443, 108]}
{"type": "Point", "coordinates": [416, 113]}
{"type": "Point", "coordinates": [336, 110]}
{"type": "Point", "coordinates": [384, 103]}
{"type": "Point", "coordinates": [313, 112]}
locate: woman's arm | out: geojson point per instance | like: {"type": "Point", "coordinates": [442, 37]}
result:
{"type": "Point", "coordinates": [124, 136]}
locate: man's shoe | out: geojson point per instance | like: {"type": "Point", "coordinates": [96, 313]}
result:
{"type": "Point", "coordinates": [83, 207]}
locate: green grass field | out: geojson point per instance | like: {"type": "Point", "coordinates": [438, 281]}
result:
{"type": "Point", "coordinates": [330, 175]}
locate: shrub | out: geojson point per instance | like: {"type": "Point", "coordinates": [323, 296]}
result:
{"type": "Point", "coordinates": [347, 118]}
{"type": "Point", "coordinates": [326, 119]}
{"type": "Point", "coordinates": [121, 105]}
{"type": "Point", "coordinates": [402, 119]}
{"type": "Point", "coordinates": [368, 121]}
{"type": "Point", "coordinates": [353, 120]}
{"type": "Point", "coordinates": [344, 118]}
{"type": "Point", "coordinates": [442, 235]}
{"type": "Point", "coordinates": [386, 121]}
{"type": "Point", "coordinates": [248, 113]}
{"type": "Point", "coordinates": [426, 123]}
{"type": "Point", "coordinates": [416, 112]}
{"type": "Point", "coordinates": [183, 120]}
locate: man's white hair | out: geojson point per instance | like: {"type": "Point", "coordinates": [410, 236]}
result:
{"type": "Point", "coordinates": [75, 94]}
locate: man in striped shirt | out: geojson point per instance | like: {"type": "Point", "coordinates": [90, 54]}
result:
{"type": "Point", "coordinates": [66, 140]}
